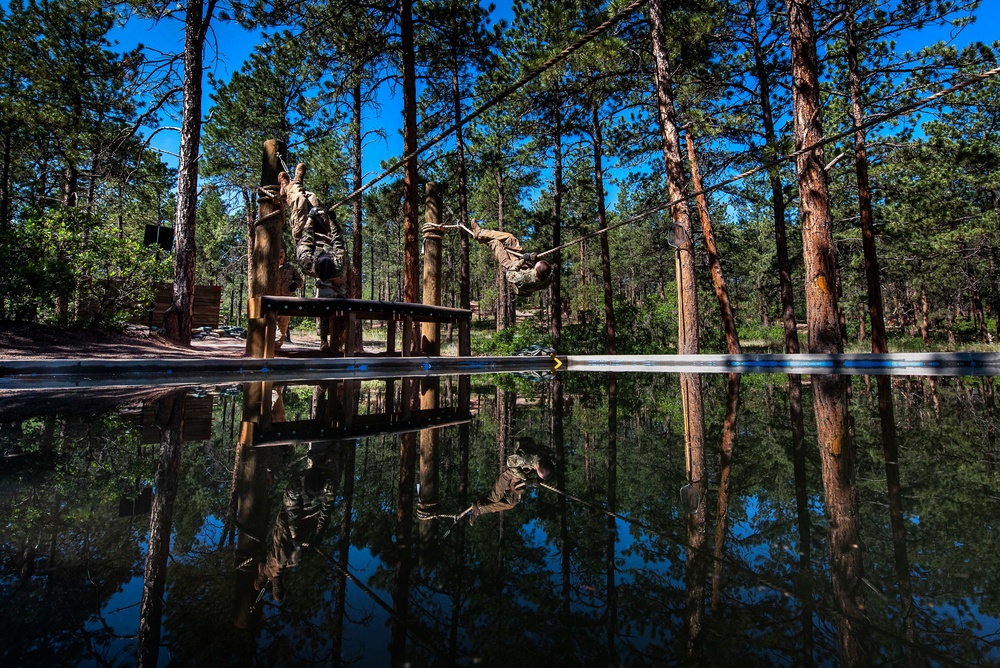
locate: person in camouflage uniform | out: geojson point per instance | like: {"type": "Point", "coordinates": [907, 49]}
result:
{"type": "Point", "coordinates": [524, 274]}
{"type": "Point", "coordinates": [527, 461]}
{"type": "Point", "coordinates": [305, 513]}
{"type": "Point", "coordinates": [289, 285]}
{"type": "Point", "coordinates": [319, 243]}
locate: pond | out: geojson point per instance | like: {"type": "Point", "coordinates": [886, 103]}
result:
{"type": "Point", "coordinates": [577, 519]}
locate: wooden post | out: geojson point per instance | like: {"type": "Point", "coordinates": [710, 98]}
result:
{"type": "Point", "coordinates": [407, 335]}
{"type": "Point", "coordinates": [430, 343]}
{"type": "Point", "coordinates": [390, 337]}
{"type": "Point", "coordinates": [267, 241]}
{"type": "Point", "coordinates": [352, 335]}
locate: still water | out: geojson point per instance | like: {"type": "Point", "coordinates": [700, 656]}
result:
{"type": "Point", "coordinates": [330, 524]}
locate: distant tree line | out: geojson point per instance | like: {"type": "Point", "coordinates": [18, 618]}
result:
{"type": "Point", "coordinates": [913, 203]}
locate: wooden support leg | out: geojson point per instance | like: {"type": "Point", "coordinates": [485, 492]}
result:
{"type": "Point", "coordinates": [463, 339]}
{"type": "Point", "coordinates": [270, 331]}
{"type": "Point", "coordinates": [338, 336]}
{"type": "Point", "coordinates": [407, 335]}
{"type": "Point", "coordinates": [331, 328]}
{"type": "Point", "coordinates": [351, 348]}
{"type": "Point", "coordinates": [256, 333]}
{"type": "Point", "coordinates": [390, 338]}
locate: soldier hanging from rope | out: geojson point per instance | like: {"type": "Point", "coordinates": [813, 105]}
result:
{"type": "Point", "coordinates": [525, 272]}
{"type": "Point", "coordinates": [319, 243]}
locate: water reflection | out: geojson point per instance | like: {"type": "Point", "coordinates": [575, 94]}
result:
{"type": "Point", "coordinates": [436, 521]}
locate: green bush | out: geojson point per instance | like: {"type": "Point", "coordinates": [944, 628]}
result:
{"type": "Point", "coordinates": [66, 254]}
{"type": "Point", "coordinates": [510, 340]}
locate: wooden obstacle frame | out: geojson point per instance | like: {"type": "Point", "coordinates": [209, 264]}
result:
{"type": "Point", "coordinates": [343, 314]}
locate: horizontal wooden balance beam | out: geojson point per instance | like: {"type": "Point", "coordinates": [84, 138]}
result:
{"type": "Point", "coordinates": [360, 426]}
{"type": "Point", "coordinates": [343, 314]}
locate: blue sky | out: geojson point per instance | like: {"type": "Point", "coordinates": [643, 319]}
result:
{"type": "Point", "coordinates": [235, 45]}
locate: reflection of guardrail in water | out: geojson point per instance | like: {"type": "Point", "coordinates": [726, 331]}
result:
{"type": "Point", "coordinates": [360, 426]}
{"type": "Point", "coordinates": [47, 374]}
{"type": "Point", "coordinates": [901, 364]}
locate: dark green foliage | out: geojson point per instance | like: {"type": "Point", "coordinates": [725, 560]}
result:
{"type": "Point", "coordinates": [69, 254]}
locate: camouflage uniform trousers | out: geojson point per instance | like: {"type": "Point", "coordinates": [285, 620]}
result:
{"type": "Point", "coordinates": [520, 275]}
{"type": "Point", "coordinates": [287, 276]}
{"type": "Point", "coordinates": [329, 289]}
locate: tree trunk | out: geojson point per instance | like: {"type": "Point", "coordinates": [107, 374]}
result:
{"type": "Point", "coordinates": [609, 301]}
{"type": "Point", "coordinates": [357, 208]}
{"type": "Point", "coordinates": [5, 161]}
{"type": "Point", "coordinates": [718, 280]}
{"type": "Point", "coordinates": [876, 311]}
{"type": "Point", "coordinates": [688, 308]}
{"type": "Point", "coordinates": [465, 298]}
{"type": "Point", "coordinates": [177, 319]}
{"type": "Point", "coordinates": [777, 192]}
{"type": "Point", "coordinates": [170, 421]}
{"type": "Point", "coordinates": [557, 191]}
{"type": "Point", "coordinates": [822, 315]}
{"type": "Point", "coordinates": [506, 312]}
{"type": "Point", "coordinates": [411, 207]}
{"type": "Point", "coordinates": [925, 316]}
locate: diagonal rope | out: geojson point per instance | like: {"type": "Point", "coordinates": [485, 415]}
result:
{"type": "Point", "coordinates": [500, 97]}
{"type": "Point", "coordinates": [874, 120]}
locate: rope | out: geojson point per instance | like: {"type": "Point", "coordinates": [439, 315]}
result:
{"type": "Point", "coordinates": [874, 120]}
{"type": "Point", "coordinates": [500, 97]}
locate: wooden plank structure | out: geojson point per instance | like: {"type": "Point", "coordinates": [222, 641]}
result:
{"type": "Point", "coordinates": [343, 314]}
{"type": "Point", "coordinates": [204, 313]}
{"type": "Point", "coordinates": [340, 419]}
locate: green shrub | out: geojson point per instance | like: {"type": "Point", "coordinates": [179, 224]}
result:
{"type": "Point", "coordinates": [65, 254]}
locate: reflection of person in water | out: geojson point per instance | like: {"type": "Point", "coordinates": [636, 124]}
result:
{"type": "Point", "coordinates": [527, 462]}
{"type": "Point", "coordinates": [304, 515]}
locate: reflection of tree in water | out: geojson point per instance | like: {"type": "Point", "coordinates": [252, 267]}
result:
{"type": "Point", "coordinates": [471, 593]}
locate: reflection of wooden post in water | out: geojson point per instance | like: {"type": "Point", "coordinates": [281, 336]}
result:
{"type": "Point", "coordinates": [404, 536]}
{"type": "Point", "coordinates": [694, 496]}
{"type": "Point", "coordinates": [429, 440]}
{"type": "Point", "coordinates": [804, 518]}
{"type": "Point", "coordinates": [170, 420]}
{"type": "Point", "coordinates": [890, 451]}
{"type": "Point", "coordinates": [837, 454]}
{"type": "Point", "coordinates": [609, 560]}
{"type": "Point", "coordinates": [560, 450]}
{"type": "Point", "coordinates": [464, 392]}
{"type": "Point", "coordinates": [250, 499]}
{"type": "Point", "coordinates": [725, 469]}
{"type": "Point", "coordinates": [344, 550]}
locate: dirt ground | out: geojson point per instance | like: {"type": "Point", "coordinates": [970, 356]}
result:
{"type": "Point", "coordinates": [21, 341]}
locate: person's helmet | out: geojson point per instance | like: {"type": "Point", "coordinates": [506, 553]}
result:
{"type": "Point", "coordinates": [325, 267]}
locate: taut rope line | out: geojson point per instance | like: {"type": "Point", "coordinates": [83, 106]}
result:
{"type": "Point", "coordinates": [875, 120]}
{"type": "Point", "coordinates": [500, 97]}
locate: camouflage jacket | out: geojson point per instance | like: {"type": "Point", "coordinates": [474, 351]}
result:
{"type": "Point", "coordinates": [523, 282]}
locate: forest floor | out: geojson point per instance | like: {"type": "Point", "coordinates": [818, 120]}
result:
{"type": "Point", "coordinates": [29, 341]}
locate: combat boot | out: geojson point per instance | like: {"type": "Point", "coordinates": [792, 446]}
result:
{"type": "Point", "coordinates": [300, 174]}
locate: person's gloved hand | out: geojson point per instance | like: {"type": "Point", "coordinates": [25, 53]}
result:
{"type": "Point", "coordinates": [530, 257]}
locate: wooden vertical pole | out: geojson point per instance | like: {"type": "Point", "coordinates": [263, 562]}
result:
{"type": "Point", "coordinates": [267, 241]}
{"type": "Point", "coordinates": [430, 343]}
